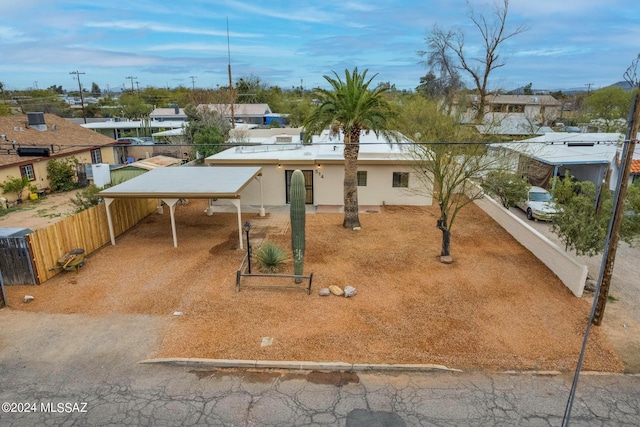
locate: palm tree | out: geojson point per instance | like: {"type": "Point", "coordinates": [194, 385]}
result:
{"type": "Point", "coordinates": [352, 107]}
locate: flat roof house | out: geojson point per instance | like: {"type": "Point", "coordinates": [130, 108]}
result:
{"type": "Point", "coordinates": [385, 172]}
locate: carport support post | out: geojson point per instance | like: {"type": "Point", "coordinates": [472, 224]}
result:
{"type": "Point", "coordinates": [107, 205]}
{"type": "Point", "coordinates": [172, 210]}
{"type": "Point", "coordinates": [236, 203]}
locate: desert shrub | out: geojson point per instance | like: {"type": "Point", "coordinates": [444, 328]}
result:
{"type": "Point", "coordinates": [62, 174]}
{"type": "Point", "coordinates": [271, 258]}
{"type": "Point", "coordinates": [86, 198]}
{"type": "Point", "coordinates": [15, 185]}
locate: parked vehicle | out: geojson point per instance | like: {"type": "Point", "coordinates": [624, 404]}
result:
{"type": "Point", "coordinates": [136, 141]}
{"type": "Point", "coordinates": [538, 204]}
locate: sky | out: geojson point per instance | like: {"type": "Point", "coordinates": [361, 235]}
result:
{"type": "Point", "coordinates": [569, 44]}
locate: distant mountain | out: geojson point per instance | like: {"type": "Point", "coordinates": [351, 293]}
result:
{"type": "Point", "coordinates": [623, 84]}
{"type": "Point", "coordinates": [569, 91]}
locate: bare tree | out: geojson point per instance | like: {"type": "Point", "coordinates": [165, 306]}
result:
{"type": "Point", "coordinates": [448, 53]}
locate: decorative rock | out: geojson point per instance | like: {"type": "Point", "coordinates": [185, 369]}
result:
{"type": "Point", "coordinates": [446, 259]}
{"type": "Point", "coordinates": [349, 291]}
{"type": "Point", "coordinates": [28, 298]}
{"type": "Point", "coordinates": [336, 290]}
{"type": "Point", "coordinates": [266, 341]}
{"type": "Point", "coordinates": [324, 292]}
{"type": "Point", "coordinates": [177, 313]}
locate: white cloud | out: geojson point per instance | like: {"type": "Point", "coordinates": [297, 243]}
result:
{"type": "Point", "coordinates": [161, 28]}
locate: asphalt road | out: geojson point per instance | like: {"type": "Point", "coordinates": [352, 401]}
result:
{"type": "Point", "coordinates": [76, 370]}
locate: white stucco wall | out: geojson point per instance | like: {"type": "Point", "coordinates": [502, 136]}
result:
{"type": "Point", "coordinates": [328, 186]}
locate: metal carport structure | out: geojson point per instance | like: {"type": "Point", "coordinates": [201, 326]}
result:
{"type": "Point", "coordinates": [173, 184]}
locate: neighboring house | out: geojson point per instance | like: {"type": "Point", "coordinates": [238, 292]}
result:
{"type": "Point", "coordinates": [634, 172]}
{"type": "Point", "coordinates": [120, 128]}
{"type": "Point", "coordinates": [168, 114]}
{"type": "Point", "coordinates": [585, 156]}
{"type": "Point", "coordinates": [385, 172]}
{"type": "Point", "coordinates": [50, 135]}
{"type": "Point", "coordinates": [125, 172]}
{"type": "Point", "coordinates": [635, 167]}
{"type": "Point", "coordinates": [514, 127]}
{"type": "Point", "coordinates": [531, 110]}
{"type": "Point", "coordinates": [257, 114]}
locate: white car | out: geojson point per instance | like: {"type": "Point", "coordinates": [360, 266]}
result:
{"type": "Point", "coordinates": [538, 204]}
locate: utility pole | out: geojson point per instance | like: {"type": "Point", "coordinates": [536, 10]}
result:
{"type": "Point", "coordinates": [84, 114]}
{"type": "Point", "coordinates": [132, 78]}
{"type": "Point", "coordinates": [233, 100]}
{"type": "Point", "coordinates": [618, 212]}
{"type": "Point", "coordinates": [611, 242]}
{"type": "Point", "coordinates": [588, 85]}
{"type": "Point", "coordinates": [193, 82]}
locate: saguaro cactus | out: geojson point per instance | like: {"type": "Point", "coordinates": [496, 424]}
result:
{"type": "Point", "coordinates": [297, 196]}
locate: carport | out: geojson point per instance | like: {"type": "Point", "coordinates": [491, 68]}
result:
{"type": "Point", "coordinates": [172, 184]}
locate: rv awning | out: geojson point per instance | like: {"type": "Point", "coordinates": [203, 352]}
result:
{"type": "Point", "coordinates": [173, 184]}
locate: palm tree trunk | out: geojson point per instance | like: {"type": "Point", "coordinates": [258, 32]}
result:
{"type": "Point", "coordinates": [351, 150]}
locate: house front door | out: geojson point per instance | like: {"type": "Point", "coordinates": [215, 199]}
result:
{"type": "Point", "coordinates": [308, 183]}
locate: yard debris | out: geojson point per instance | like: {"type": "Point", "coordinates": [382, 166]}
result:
{"type": "Point", "coordinates": [349, 291]}
{"type": "Point", "coordinates": [266, 341]}
{"type": "Point", "coordinates": [336, 290]}
{"type": "Point", "coordinates": [28, 298]}
{"type": "Point", "coordinates": [324, 292]}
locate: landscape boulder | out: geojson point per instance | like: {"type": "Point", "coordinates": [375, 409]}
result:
{"type": "Point", "coordinates": [349, 291]}
{"type": "Point", "coordinates": [336, 290]}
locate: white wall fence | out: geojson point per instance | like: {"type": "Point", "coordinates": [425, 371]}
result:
{"type": "Point", "coordinates": [572, 273]}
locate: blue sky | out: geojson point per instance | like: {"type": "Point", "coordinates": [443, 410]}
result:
{"type": "Point", "coordinates": [569, 44]}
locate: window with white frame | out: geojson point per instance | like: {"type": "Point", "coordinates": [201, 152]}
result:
{"type": "Point", "coordinates": [96, 156]}
{"type": "Point", "coordinates": [401, 179]}
{"type": "Point", "coordinates": [362, 178]}
{"type": "Point", "coordinates": [27, 170]}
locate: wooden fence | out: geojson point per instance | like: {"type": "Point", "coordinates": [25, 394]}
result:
{"type": "Point", "coordinates": [88, 229]}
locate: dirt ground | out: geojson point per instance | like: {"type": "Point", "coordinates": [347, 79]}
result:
{"type": "Point", "coordinates": [496, 307]}
{"type": "Point", "coordinates": [40, 213]}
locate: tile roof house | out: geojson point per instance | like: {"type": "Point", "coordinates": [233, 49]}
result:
{"type": "Point", "coordinates": [54, 138]}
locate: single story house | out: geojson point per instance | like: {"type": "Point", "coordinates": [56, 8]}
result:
{"type": "Point", "coordinates": [119, 128]}
{"type": "Point", "coordinates": [28, 142]}
{"type": "Point", "coordinates": [257, 114]}
{"type": "Point", "coordinates": [386, 173]}
{"type": "Point", "coordinates": [168, 114]}
{"type": "Point", "coordinates": [586, 156]}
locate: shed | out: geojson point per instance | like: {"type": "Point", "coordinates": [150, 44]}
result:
{"type": "Point", "coordinates": [15, 261]}
{"type": "Point", "coordinates": [131, 170]}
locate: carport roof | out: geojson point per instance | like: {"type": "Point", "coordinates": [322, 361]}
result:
{"type": "Point", "coordinates": [186, 182]}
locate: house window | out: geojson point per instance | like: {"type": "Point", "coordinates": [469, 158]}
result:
{"type": "Point", "coordinates": [27, 170]}
{"type": "Point", "coordinates": [96, 156]}
{"type": "Point", "coordinates": [401, 179]}
{"type": "Point", "coordinates": [516, 108]}
{"type": "Point", "coordinates": [362, 178]}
